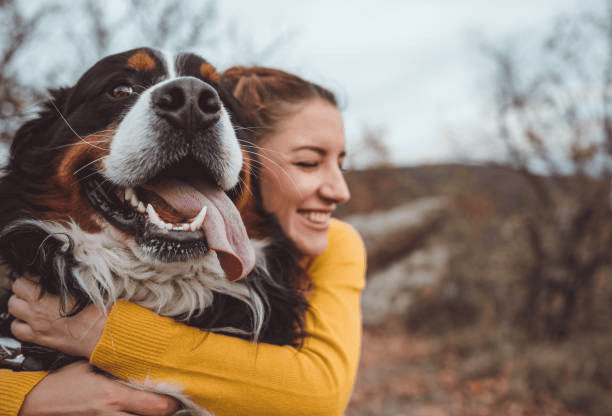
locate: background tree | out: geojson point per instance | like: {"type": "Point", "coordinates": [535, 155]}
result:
{"type": "Point", "coordinates": [19, 31]}
{"type": "Point", "coordinates": [51, 44]}
{"type": "Point", "coordinates": [553, 108]}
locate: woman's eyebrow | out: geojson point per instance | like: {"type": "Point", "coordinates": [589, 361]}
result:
{"type": "Point", "coordinates": [316, 149]}
{"type": "Point", "coordinates": [321, 151]}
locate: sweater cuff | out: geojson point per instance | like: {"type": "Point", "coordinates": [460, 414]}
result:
{"type": "Point", "coordinates": [14, 386]}
{"type": "Point", "coordinates": [133, 337]}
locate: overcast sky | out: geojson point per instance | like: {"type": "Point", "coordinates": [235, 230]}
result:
{"type": "Point", "coordinates": [407, 65]}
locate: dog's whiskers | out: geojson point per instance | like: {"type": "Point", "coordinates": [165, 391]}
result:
{"type": "Point", "coordinates": [80, 143]}
{"type": "Point", "coordinates": [70, 127]}
{"type": "Point", "coordinates": [268, 159]}
{"type": "Point", "coordinates": [88, 164]}
{"type": "Point", "coordinates": [278, 173]}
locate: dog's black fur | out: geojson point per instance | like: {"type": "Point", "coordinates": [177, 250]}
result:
{"type": "Point", "coordinates": [26, 248]}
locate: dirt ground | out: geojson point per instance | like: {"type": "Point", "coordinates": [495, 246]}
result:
{"type": "Point", "coordinates": [401, 374]}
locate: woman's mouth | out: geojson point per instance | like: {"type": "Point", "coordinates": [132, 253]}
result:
{"type": "Point", "coordinates": [316, 216]}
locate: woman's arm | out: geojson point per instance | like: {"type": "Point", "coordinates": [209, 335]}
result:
{"type": "Point", "coordinates": [13, 389]}
{"type": "Point", "coordinates": [232, 376]}
{"type": "Point", "coordinates": [228, 375]}
{"type": "Point", "coordinates": [76, 390]}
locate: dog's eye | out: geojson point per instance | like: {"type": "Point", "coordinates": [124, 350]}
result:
{"type": "Point", "coordinates": [122, 91]}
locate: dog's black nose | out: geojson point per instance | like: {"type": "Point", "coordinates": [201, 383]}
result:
{"type": "Point", "coordinates": [187, 103]}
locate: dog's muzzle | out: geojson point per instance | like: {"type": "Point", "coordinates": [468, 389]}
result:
{"type": "Point", "coordinates": [171, 160]}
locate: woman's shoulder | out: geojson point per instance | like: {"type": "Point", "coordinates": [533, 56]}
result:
{"type": "Point", "coordinates": [342, 234]}
{"type": "Point", "coordinates": [344, 249]}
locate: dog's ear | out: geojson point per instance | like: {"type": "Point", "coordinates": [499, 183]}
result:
{"type": "Point", "coordinates": [35, 133]}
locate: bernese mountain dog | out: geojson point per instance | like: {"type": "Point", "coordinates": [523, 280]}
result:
{"type": "Point", "coordinates": [127, 186]}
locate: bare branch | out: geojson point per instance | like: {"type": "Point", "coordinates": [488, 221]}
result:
{"type": "Point", "coordinates": [99, 28]}
{"type": "Point", "coordinates": [22, 30]}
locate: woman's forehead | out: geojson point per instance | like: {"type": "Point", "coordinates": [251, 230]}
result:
{"type": "Point", "coordinates": [316, 125]}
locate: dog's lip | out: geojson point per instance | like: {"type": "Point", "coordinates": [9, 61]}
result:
{"type": "Point", "coordinates": [183, 235]}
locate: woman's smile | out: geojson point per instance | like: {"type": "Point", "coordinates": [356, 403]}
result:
{"type": "Point", "coordinates": [318, 218]}
{"type": "Point", "coordinates": [304, 184]}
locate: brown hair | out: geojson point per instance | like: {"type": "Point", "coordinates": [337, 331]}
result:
{"type": "Point", "coordinates": [267, 95]}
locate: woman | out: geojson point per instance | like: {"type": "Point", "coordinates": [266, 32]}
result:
{"type": "Point", "coordinates": [298, 128]}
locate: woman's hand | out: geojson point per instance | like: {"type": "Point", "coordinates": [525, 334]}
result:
{"type": "Point", "coordinates": [39, 320]}
{"type": "Point", "coordinates": [77, 390]}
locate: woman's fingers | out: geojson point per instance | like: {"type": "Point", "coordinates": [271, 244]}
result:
{"type": "Point", "coordinates": [26, 289]}
{"type": "Point", "coordinates": [18, 307]}
{"type": "Point", "coordinates": [77, 390]}
{"type": "Point", "coordinates": [146, 403]}
{"type": "Point", "coordinates": [40, 319]}
{"type": "Point", "coordinates": [22, 331]}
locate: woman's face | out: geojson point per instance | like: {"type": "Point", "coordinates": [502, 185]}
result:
{"type": "Point", "coordinates": [302, 181]}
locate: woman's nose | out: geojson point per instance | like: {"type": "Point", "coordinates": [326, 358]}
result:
{"type": "Point", "coordinates": [335, 188]}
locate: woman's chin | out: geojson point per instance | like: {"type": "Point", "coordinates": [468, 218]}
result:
{"type": "Point", "coordinates": [309, 237]}
{"type": "Point", "coordinates": [311, 245]}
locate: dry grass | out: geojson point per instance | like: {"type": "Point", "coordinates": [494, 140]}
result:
{"type": "Point", "coordinates": [478, 371]}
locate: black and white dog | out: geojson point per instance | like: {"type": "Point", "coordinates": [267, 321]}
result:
{"type": "Point", "coordinates": [124, 187]}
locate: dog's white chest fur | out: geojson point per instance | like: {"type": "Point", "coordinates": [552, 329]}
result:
{"type": "Point", "coordinates": [108, 269]}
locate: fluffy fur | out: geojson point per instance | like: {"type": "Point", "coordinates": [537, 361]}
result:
{"type": "Point", "coordinates": [128, 125]}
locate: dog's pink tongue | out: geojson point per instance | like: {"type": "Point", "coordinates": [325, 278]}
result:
{"type": "Point", "coordinates": [222, 226]}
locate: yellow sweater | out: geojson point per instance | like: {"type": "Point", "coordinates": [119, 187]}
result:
{"type": "Point", "coordinates": [229, 376]}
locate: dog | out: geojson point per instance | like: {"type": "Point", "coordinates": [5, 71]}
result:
{"type": "Point", "coordinates": [131, 184]}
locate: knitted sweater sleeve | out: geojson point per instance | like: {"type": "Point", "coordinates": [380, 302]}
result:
{"type": "Point", "coordinates": [229, 376]}
{"type": "Point", "coordinates": [13, 389]}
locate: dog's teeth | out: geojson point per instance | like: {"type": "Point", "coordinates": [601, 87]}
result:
{"type": "Point", "coordinates": [155, 219]}
{"type": "Point", "coordinates": [129, 192]}
{"type": "Point", "coordinates": [130, 196]}
{"type": "Point", "coordinates": [180, 227]}
{"type": "Point", "coordinates": [141, 208]}
{"type": "Point", "coordinates": [153, 216]}
{"type": "Point", "coordinates": [197, 222]}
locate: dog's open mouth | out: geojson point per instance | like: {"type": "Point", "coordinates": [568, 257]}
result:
{"type": "Point", "coordinates": [174, 217]}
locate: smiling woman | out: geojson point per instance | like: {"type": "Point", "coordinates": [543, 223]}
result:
{"type": "Point", "coordinates": [303, 184]}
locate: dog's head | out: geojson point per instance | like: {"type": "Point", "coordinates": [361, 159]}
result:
{"type": "Point", "coordinates": [145, 143]}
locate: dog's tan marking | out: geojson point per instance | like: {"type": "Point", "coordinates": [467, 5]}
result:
{"type": "Point", "coordinates": [141, 61]}
{"type": "Point", "coordinates": [209, 72]}
{"type": "Point", "coordinates": [63, 196]}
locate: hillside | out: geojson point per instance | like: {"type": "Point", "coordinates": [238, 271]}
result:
{"type": "Point", "coordinates": [385, 188]}
{"type": "Point", "coordinates": [462, 313]}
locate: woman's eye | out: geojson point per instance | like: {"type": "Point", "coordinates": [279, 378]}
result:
{"type": "Point", "coordinates": [307, 164]}
{"type": "Point", "coordinates": [122, 91]}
